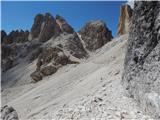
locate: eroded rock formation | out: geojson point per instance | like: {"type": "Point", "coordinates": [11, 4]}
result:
{"type": "Point", "coordinates": [142, 63]}
{"type": "Point", "coordinates": [95, 34]}
{"type": "Point", "coordinates": [124, 19]}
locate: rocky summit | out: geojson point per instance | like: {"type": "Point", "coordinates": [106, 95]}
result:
{"type": "Point", "coordinates": [44, 27]}
{"type": "Point", "coordinates": [141, 69]}
{"type": "Point", "coordinates": [95, 34]}
{"type": "Point", "coordinates": [124, 23]}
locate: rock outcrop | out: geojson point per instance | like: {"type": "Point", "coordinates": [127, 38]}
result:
{"type": "Point", "coordinates": [95, 34]}
{"type": "Point", "coordinates": [36, 76]}
{"type": "Point", "coordinates": [124, 19]}
{"type": "Point", "coordinates": [142, 63]}
{"type": "Point", "coordinates": [44, 27]}
{"type": "Point", "coordinates": [8, 113]}
{"type": "Point", "coordinates": [14, 36]}
{"type": "Point", "coordinates": [65, 27]}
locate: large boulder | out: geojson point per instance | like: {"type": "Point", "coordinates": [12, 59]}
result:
{"type": "Point", "coordinates": [141, 75]}
{"type": "Point", "coordinates": [36, 76]}
{"type": "Point", "coordinates": [95, 34]}
{"type": "Point", "coordinates": [8, 113]}
{"type": "Point", "coordinates": [124, 19]}
{"type": "Point", "coordinates": [48, 70]}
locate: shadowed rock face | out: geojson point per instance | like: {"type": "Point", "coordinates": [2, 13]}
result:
{"type": "Point", "coordinates": [142, 63]}
{"type": "Point", "coordinates": [95, 34]}
{"type": "Point", "coordinates": [8, 113]}
{"type": "Point", "coordinates": [124, 19]}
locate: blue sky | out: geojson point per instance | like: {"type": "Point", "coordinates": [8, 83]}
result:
{"type": "Point", "coordinates": [20, 15]}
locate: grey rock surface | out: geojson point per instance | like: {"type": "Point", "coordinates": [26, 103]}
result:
{"type": "Point", "coordinates": [142, 62]}
{"type": "Point", "coordinates": [36, 76]}
{"type": "Point", "coordinates": [48, 70]}
{"type": "Point", "coordinates": [8, 113]}
{"type": "Point", "coordinates": [95, 34]}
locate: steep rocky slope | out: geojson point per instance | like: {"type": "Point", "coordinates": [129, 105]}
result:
{"type": "Point", "coordinates": [124, 19]}
{"type": "Point", "coordinates": [142, 63]}
{"type": "Point", "coordinates": [87, 90]}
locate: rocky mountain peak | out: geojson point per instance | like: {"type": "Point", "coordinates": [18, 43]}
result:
{"type": "Point", "coordinates": [124, 19]}
{"type": "Point", "coordinates": [44, 27]}
{"type": "Point", "coordinates": [95, 34]}
{"type": "Point", "coordinates": [65, 27]}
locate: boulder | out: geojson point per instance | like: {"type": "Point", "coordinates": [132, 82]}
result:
{"type": "Point", "coordinates": [48, 70]}
{"type": "Point", "coordinates": [8, 113]}
{"type": "Point", "coordinates": [125, 18]}
{"type": "Point", "coordinates": [141, 75]}
{"type": "Point", "coordinates": [36, 76]}
{"type": "Point", "coordinates": [95, 34]}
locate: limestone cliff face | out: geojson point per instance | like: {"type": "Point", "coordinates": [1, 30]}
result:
{"type": "Point", "coordinates": [142, 63]}
{"type": "Point", "coordinates": [124, 20]}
